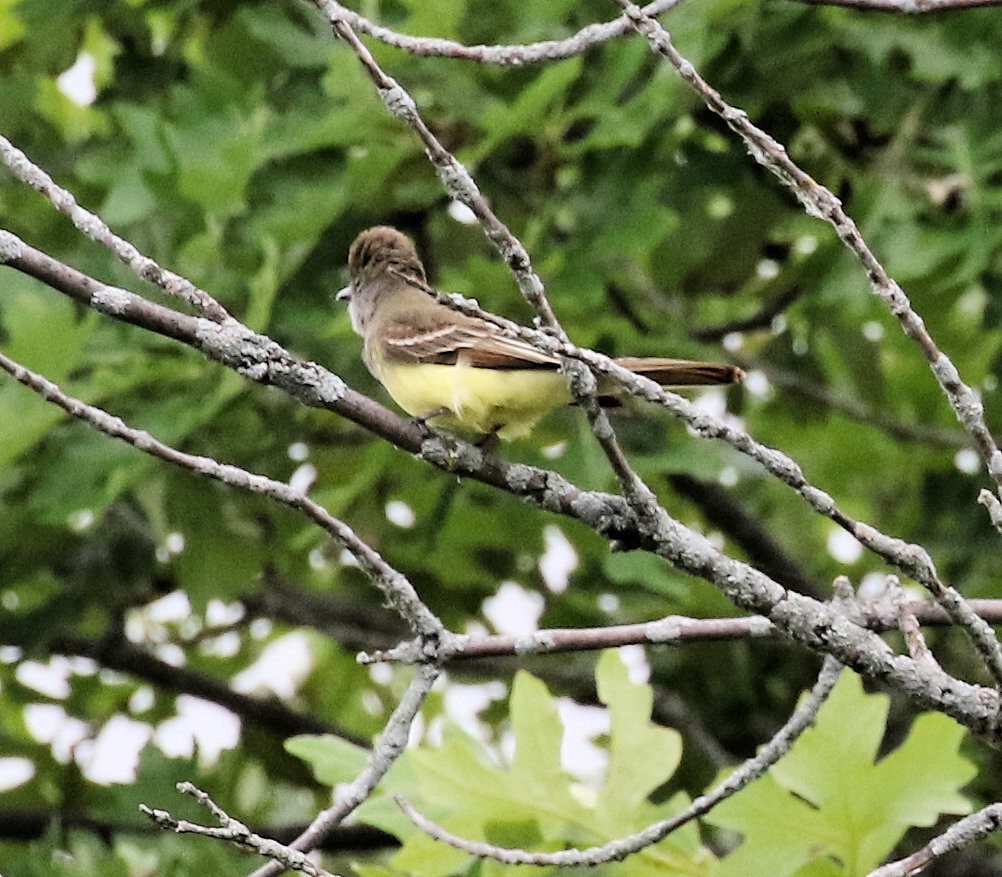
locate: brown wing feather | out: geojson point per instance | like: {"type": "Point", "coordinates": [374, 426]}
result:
{"type": "Point", "coordinates": [500, 352]}
{"type": "Point", "coordinates": [422, 337]}
{"type": "Point", "coordinates": [681, 372]}
{"type": "Point", "coordinates": [441, 336]}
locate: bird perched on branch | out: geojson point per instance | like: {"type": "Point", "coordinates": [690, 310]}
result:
{"type": "Point", "coordinates": [461, 372]}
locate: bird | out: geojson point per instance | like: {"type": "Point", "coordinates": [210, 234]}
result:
{"type": "Point", "coordinates": [459, 372]}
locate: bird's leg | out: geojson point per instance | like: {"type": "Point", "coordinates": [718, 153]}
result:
{"type": "Point", "coordinates": [489, 441]}
{"type": "Point", "coordinates": [422, 419]}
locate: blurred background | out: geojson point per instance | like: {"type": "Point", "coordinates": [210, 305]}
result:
{"type": "Point", "coordinates": [158, 627]}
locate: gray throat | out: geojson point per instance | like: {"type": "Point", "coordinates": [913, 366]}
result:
{"type": "Point", "coordinates": [362, 305]}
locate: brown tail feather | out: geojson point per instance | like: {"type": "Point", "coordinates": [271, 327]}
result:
{"type": "Point", "coordinates": [681, 372]}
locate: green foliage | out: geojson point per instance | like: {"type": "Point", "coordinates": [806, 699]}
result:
{"type": "Point", "coordinates": [242, 146]}
{"type": "Point", "coordinates": [831, 807]}
{"type": "Point", "coordinates": [828, 807]}
{"type": "Point", "coordinates": [530, 802]}
{"type": "Point", "coordinates": [82, 854]}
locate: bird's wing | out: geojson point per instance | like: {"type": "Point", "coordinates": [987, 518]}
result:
{"type": "Point", "coordinates": [448, 338]}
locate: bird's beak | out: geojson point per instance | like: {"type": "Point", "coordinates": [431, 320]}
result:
{"type": "Point", "coordinates": [346, 293]}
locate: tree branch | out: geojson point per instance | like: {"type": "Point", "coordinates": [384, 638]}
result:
{"type": "Point", "coordinates": [512, 56]}
{"type": "Point", "coordinates": [117, 653]}
{"type": "Point", "coordinates": [909, 7]}
{"type": "Point", "coordinates": [819, 202]}
{"type": "Point", "coordinates": [673, 630]}
{"type": "Point", "coordinates": [781, 743]}
{"type": "Point", "coordinates": [963, 832]}
{"type": "Point", "coordinates": [95, 228]}
{"type": "Point", "coordinates": [235, 832]}
{"type": "Point", "coordinates": [820, 627]}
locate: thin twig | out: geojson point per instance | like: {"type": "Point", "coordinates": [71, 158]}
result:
{"type": "Point", "coordinates": [96, 229]}
{"type": "Point", "coordinates": [394, 585]}
{"type": "Point", "coordinates": [385, 751]}
{"type": "Point", "coordinates": [803, 717]}
{"type": "Point", "coordinates": [233, 831]}
{"type": "Point", "coordinates": [962, 833]}
{"type": "Point", "coordinates": [910, 7]}
{"type": "Point", "coordinates": [908, 624]}
{"type": "Point", "coordinates": [819, 202]}
{"type": "Point", "coordinates": [512, 56]}
{"type": "Point", "coordinates": [672, 630]}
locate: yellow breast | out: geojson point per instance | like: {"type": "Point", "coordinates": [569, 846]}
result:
{"type": "Point", "coordinates": [481, 400]}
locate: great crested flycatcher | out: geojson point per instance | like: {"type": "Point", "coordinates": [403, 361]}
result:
{"type": "Point", "coordinates": [461, 372]}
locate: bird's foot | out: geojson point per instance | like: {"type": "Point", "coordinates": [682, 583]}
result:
{"type": "Point", "coordinates": [422, 419]}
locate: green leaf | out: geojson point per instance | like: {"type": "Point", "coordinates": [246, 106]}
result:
{"type": "Point", "coordinates": [532, 803]}
{"type": "Point", "coordinates": [631, 779]}
{"type": "Point", "coordinates": [829, 799]}
{"type": "Point", "coordinates": [537, 733]}
{"type": "Point", "coordinates": [532, 108]}
{"type": "Point", "coordinates": [11, 26]}
{"type": "Point", "coordinates": [332, 759]}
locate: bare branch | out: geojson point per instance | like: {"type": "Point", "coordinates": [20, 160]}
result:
{"type": "Point", "coordinates": [803, 717]}
{"type": "Point", "coordinates": [819, 202]}
{"type": "Point", "coordinates": [672, 630]}
{"type": "Point", "coordinates": [963, 832]}
{"type": "Point", "coordinates": [908, 624]}
{"type": "Point", "coordinates": [394, 585]}
{"type": "Point", "coordinates": [234, 832]}
{"type": "Point", "coordinates": [909, 7]}
{"type": "Point", "coordinates": [385, 751]}
{"type": "Point", "coordinates": [95, 228]}
{"type": "Point", "coordinates": [512, 56]}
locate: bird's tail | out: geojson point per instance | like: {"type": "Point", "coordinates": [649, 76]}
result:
{"type": "Point", "coordinates": [681, 372]}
